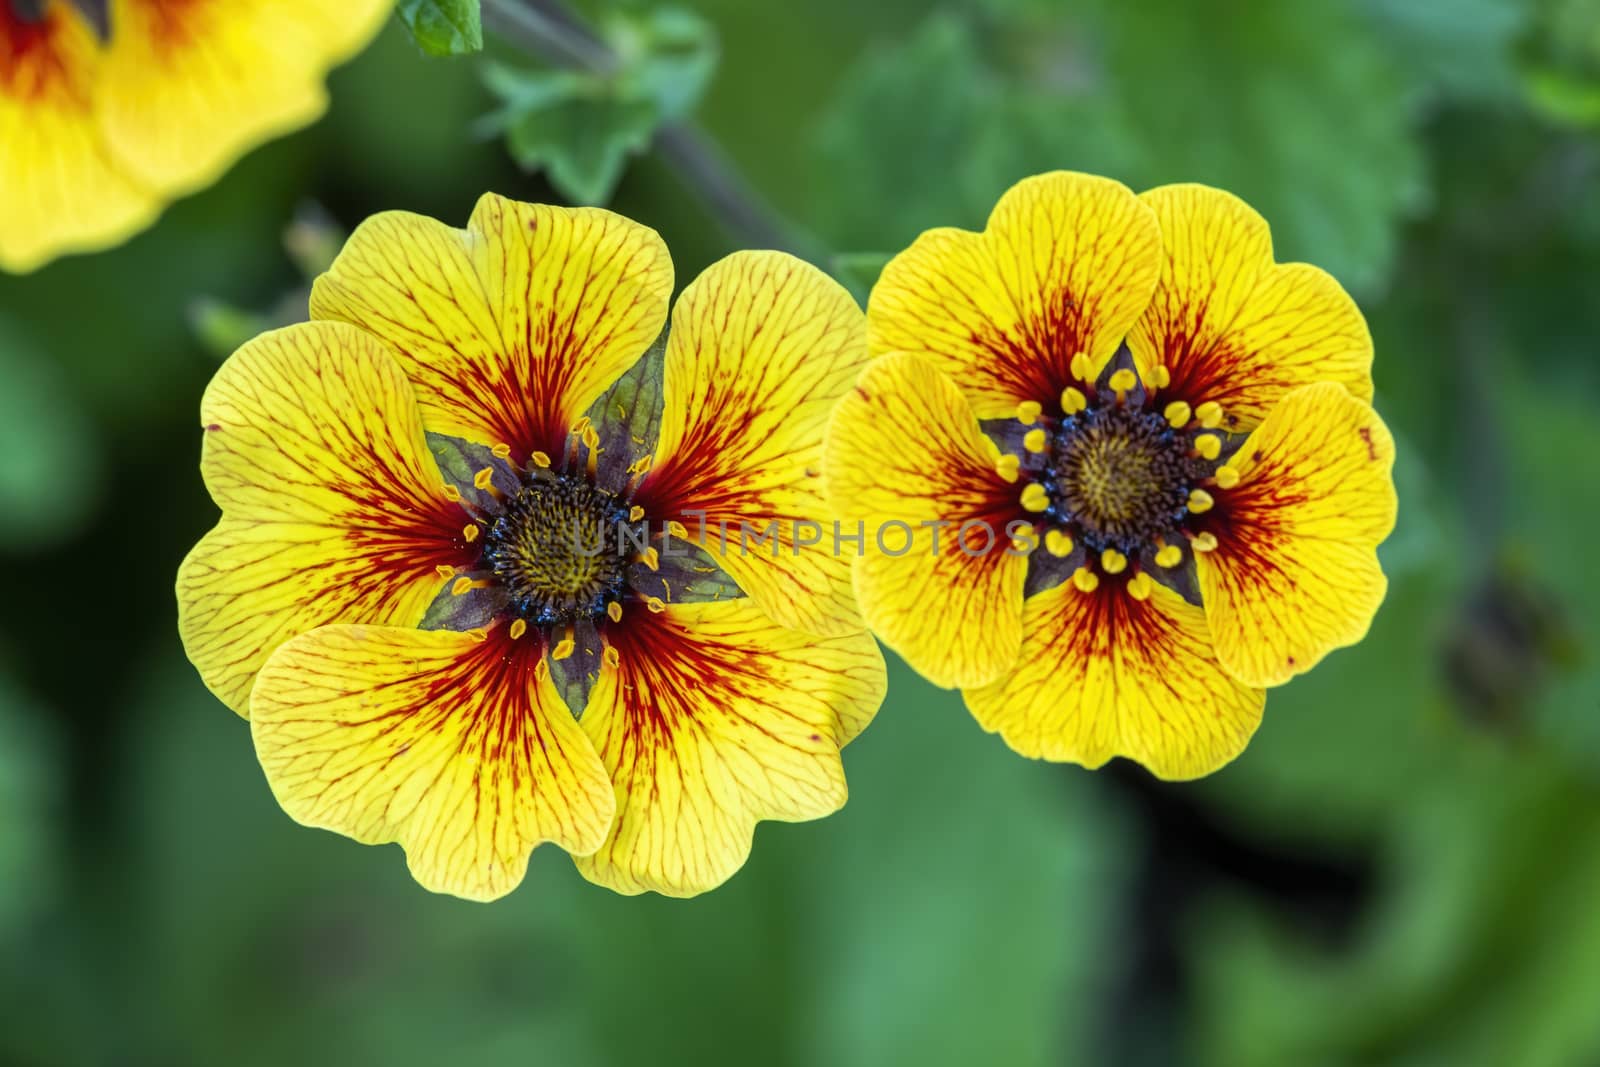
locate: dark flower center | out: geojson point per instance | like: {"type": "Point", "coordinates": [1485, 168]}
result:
{"type": "Point", "coordinates": [1122, 476]}
{"type": "Point", "coordinates": [559, 549]}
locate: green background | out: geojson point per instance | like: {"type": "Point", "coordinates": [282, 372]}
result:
{"type": "Point", "coordinates": [1403, 868]}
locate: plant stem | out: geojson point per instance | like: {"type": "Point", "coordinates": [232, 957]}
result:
{"type": "Point", "coordinates": [559, 35]}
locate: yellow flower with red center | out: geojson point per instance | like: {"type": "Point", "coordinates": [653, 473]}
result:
{"type": "Point", "coordinates": [1151, 457]}
{"type": "Point", "coordinates": [459, 586]}
{"type": "Point", "coordinates": [96, 138]}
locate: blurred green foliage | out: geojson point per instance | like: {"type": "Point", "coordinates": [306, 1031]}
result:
{"type": "Point", "coordinates": [1400, 870]}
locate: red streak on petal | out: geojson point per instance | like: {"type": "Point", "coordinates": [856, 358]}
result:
{"type": "Point", "coordinates": [30, 61]}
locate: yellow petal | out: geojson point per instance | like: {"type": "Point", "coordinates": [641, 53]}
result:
{"type": "Point", "coordinates": [1232, 327]}
{"type": "Point", "coordinates": [60, 189]}
{"type": "Point", "coordinates": [1295, 572]}
{"type": "Point", "coordinates": [713, 719]}
{"type": "Point", "coordinates": [1104, 674]}
{"type": "Point", "coordinates": [762, 346]}
{"type": "Point", "coordinates": [904, 449]}
{"type": "Point", "coordinates": [510, 328]}
{"type": "Point", "coordinates": [188, 88]}
{"type": "Point", "coordinates": [333, 510]}
{"type": "Point", "coordinates": [1065, 266]}
{"type": "Point", "coordinates": [457, 747]}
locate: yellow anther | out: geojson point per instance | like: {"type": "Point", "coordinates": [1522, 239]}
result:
{"type": "Point", "coordinates": [1086, 580]}
{"type": "Point", "coordinates": [484, 478]}
{"type": "Point", "coordinates": [1034, 498]}
{"type": "Point", "coordinates": [581, 425]}
{"type": "Point", "coordinates": [501, 451]}
{"type": "Point", "coordinates": [1209, 414]}
{"type": "Point", "coordinates": [1169, 556]}
{"type": "Point", "coordinates": [675, 528]}
{"type": "Point", "coordinates": [470, 532]}
{"type": "Point", "coordinates": [635, 513]}
{"type": "Point", "coordinates": [563, 649]}
{"type": "Point", "coordinates": [446, 571]}
{"type": "Point", "coordinates": [1177, 414]}
{"type": "Point", "coordinates": [540, 459]}
{"type": "Point", "coordinates": [1081, 368]}
{"type": "Point", "coordinates": [1113, 562]}
{"type": "Point", "coordinates": [1073, 400]}
{"type": "Point", "coordinates": [1007, 467]}
{"type": "Point", "coordinates": [460, 585]}
{"type": "Point", "coordinates": [1025, 542]}
{"type": "Point", "coordinates": [1200, 501]}
{"type": "Point", "coordinates": [519, 628]}
{"type": "Point", "coordinates": [590, 437]}
{"type": "Point", "coordinates": [1204, 542]}
{"type": "Point", "coordinates": [651, 558]}
{"type": "Point", "coordinates": [1226, 477]}
{"type": "Point", "coordinates": [452, 493]}
{"type": "Point", "coordinates": [1035, 440]}
{"type": "Point", "coordinates": [1124, 380]}
{"type": "Point", "coordinates": [641, 465]}
{"type": "Point", "coordinates": [479, 634]}
{"type": "Point", "coordinates": [614, 610]}
{"type": "Point", "coordinates": [1161, 376]}
{"type": "Point", "coordinates": [1209, 445]}
{"type": "Point", "coordinates": [1028, 412]}
{"type": "Point", "coordinates": [612, 657]}
{"type": "Point", "coordinates": [655, 604]}
{"type": "Point", "coordinates": [1057, 543]}
{"type": "Point", "coordinates": [1139, 586]}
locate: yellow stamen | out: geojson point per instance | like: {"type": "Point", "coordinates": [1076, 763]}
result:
{"type": "Point", "coordinates": [1209, 414]}
{"type": "Point", "coordinates": [1025, 542]}
{"type": "Point", "coordinates": [1177, 414]}
{"type": "Point", "coordinates": [484, 478]}
{"type": "Point", "coordinates": [590, 437]}
{"type": "Point", "coordinates": [1200, 501]}
{"type": "Point", "coordinates": [563, 649]}
{"type": "Point", "coordinates": [1028, 412]}
{"type": "Point", "coordinates": [1113, 562]}
{"type": "Point", "coordinates": [1035, 440]}
{"type": "Point", "coordinates": [453, 494]}
{"type": "Point", "coordinates": [446, 571]}
{"type": "Point", "coordinates": [470, 532]}
{"type": "Point", "coordinates": [1057, 543]}
{"type": "Point", "coordinates": [614, 610]}
{"type": "Point", "coordinates": [1226, 477]}
{"type": "Point", "coordinates": [655, 604]}
{"type": "Point", "coordinates": [479, 634]}
{"type": "Point", "coordinates": [641, 465]}
{"type": "Point", "coordinates": [1209, 445]}
{"type": "Point", "coordinates": [1124, 380]}
{"type": "Point", "coordinates": [651, 558]}
{"type": "Point", "coordinates": [1139, 586]}
{"type": "Point", "coordinates": [1007, 467]}
{"type": "Point", "coordinates": [460, 585]}
{"type": "Point", "coordinates": [1204, 542]}
{"type": "Point", "coordinates": [518, 628]}
{"type": "Point", "coordinates": [677, 529]}
{"type": "Point", "coordinates": [1034, 498]}
{"type": "Point", "coordinates": [612, 657]}
{"type": "Point", "coordinates": [1161, 376]}
{"type": "Point", "coordinates": [501, 451]}
{"type": "Point", "coordinates": [1081, 368]}
{"type": "Point", "coordinates": [540, 459]}
{"type": "Point", "coordinates": [1086, 580]}
{"type": "Point", "coordinates": [581, 425]}
{"type": "Point", "coordinates": [635, 513]}
{"type": "Point", "coordinates": [1073, 400]}
{"type": "Point", "coordinates": [1169, 556]}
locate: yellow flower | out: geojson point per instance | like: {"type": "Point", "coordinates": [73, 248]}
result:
{"type": "Point", "coordinates": [95, 140]}
{"type": "Point", "coordinates": [458, 585]}
{"type": "Point", "coordinates": [1150, 451]}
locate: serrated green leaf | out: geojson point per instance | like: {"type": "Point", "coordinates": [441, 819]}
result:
{"type": "Point", "coordinates": [669, 56]}
{"type": "Point", "coordinates": [444, 27]}
{"type": "Point", "coordinates": [582, 143]}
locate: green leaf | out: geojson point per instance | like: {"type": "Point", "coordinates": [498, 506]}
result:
{"type": "Point", "coordinates": [50, 469]}
{"type": "Point", "coordinates": [668, 56]}
{"type": "Point", "coordinates": [444, 27]}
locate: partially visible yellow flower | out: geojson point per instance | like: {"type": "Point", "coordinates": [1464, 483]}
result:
{"type": "Point", "coordinates": [96, 139]}
{"type": "Point", "coordinates": [425, 590]}
{"type": "Point", "coordinates": [1150, 453]}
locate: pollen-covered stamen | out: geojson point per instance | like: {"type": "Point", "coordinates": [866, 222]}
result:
{"type": "Point", "coordinates": [558, 550]}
